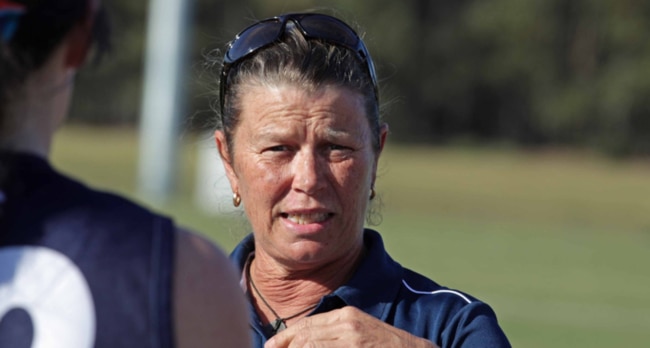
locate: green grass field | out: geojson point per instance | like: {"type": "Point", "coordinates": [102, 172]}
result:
{"type": "Point", "coordinates": [556, 242]}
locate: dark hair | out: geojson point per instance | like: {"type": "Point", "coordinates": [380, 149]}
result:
{"type": "Point", "coordinates": [40, 29]}
{"type": "Point", "coordinates": [308, 63]}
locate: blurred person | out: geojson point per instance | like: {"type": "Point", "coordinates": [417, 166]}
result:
{"type": "Point", "coordinates": [79, 267]}
{"type": "Point", "coordinates": [300, 137]}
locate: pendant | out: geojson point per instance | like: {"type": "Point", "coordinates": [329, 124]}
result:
{"type": "Point", "coordinates": [278, 325]}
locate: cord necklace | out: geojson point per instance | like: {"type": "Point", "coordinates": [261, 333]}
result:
{"type": "Point", "coordinates": [279, 323]}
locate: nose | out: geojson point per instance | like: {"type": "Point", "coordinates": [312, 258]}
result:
{"type": "Point", "coordinates": [309, 172]}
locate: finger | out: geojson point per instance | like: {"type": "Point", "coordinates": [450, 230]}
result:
{"type": "Point", "coordinates": [319, 327]}
{"type": "Point", "coordinates": [331, 329]}
{"type": "Point", "coordinates": [284, 338]}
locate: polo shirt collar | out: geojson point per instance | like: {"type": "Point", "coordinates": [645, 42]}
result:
{"type": "Point", "coordinates": [375, 283]}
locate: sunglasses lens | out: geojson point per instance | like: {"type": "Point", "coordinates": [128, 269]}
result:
{"type": "Point", "coordinates": [329, 29]}
{"type": "Point", "coordinates": [253, 38]}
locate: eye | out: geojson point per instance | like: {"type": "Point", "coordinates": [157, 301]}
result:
{"type": "Point", "coordinates": [277, 153]}
{"type": "Point", "coordinates": [337, 147]}
{"type": "Point", "coordinates": [338, 151]}
{"type": "Point", "coordinates": [277, 148]}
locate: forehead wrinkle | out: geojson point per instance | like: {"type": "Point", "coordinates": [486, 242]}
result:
{"type": "Point", "coordinates": [272, 131]}
{"type": "Point", "coordinates": [283, 115]}
{"type": "Point", "coordinates": [331, 132]}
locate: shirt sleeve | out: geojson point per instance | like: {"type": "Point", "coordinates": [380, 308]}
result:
{"type": "Point", "coordinates": [475, 325]}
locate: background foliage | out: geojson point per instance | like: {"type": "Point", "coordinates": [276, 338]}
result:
{"type": "Point", "coordinates": [521, 72]}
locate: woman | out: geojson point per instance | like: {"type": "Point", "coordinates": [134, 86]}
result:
{"type": "Point", "coordinates": [78, 267]}
{"type": "Point", "coordinates": [300, 139]}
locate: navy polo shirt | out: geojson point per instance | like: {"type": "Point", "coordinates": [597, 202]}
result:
{"type": "Point", "coordinates": [400, 297]}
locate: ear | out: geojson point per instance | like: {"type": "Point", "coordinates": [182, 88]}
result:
{"type": "Point", "coordinates": [383, 134]}
{"type": "Point", "coordinates": [78, 41]}
{"type": "Point", "coordinates": [224, 153]}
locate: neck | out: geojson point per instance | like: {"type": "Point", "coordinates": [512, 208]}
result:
{"type": "Point", "coordinates": [27, 134]}
{"type": "Point", "coordinates": [33, 114]}
{"type": "Point", "coordinates": [290, 292]}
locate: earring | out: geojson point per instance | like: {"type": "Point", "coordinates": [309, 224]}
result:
{"type": "Point", "coordinates": [372, 193]}
{"type": "Point", "coordinates": [236, 199]}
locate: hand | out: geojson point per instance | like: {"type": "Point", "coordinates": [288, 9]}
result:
{"type": "Point", "coordinates": [345, 327]}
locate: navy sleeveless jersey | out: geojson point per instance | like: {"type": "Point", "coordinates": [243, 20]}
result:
{"type": "Point", "coordinates": [80, 268]}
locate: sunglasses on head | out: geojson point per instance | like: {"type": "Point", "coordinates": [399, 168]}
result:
{"type": "Point", "coordinates": [312, 26]}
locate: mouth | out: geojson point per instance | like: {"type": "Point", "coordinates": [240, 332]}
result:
{"type": "Point", "coordinates": [305, 219]}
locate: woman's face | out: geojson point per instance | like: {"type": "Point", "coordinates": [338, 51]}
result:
{"type": "Point", "coordinates": [303, 163]}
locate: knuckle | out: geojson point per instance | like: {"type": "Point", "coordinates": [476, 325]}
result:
{"type": "Point", "coordinates": [353, 325]}
{"type": "Point", "coordinates": [348, 312]}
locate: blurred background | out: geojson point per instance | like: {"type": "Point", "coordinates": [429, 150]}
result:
{"type": "Point", "coordinates": [518, 163]}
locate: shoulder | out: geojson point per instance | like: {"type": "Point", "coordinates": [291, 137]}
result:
{"type": "Point", "coordinates": [208, 303]}
{"type": "Point", "coordinates": [62, 212]}
{"type": "Point", "coordinates": [104, 208]}
{"type": "Point", "coordinates": [197, 256]}
{"type": "Point", "coordinates": [76, 195]}
{"type": "Point", "coordinates": [100, 200]}
{"type": "Point", "coordinates": [458, 316]}
{"type": "Point", "coordinates": [424, 289]}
